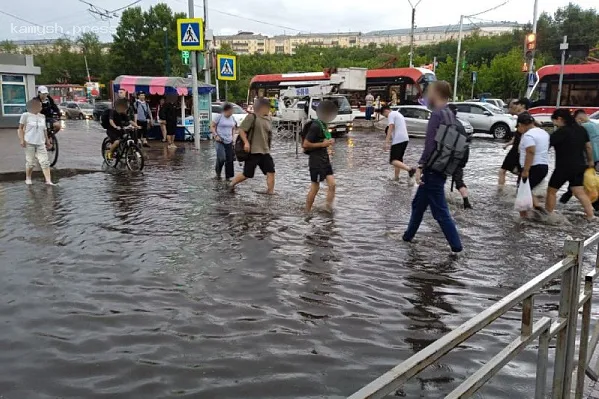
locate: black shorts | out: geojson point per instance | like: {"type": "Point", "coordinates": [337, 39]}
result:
{"type": "Point", "coordinates": [320, 174]}
{"type": "Point", "coordinates": [458, 178]}
{"type": "Point", "coordinates": [113, 135]}
{"type": "Point", "coordinates": [171, 129]}
{"type": "Point", "coordinates": [143, 128]}
{"type": "Point", "coordinates": [398, 151]}
{"type": "Point", "coordinates": [264, 161]}
{"type": "Point", "coordinates": [561, 176]}
{"type": "Point", "coordinates": [536, 175]}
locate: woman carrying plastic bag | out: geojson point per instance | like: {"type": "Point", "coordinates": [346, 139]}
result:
{"type": "Point", "coordinates": [523, 202]}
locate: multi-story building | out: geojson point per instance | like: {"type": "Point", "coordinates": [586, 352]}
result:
{"type": "Point", "coordinates": [250, 43]}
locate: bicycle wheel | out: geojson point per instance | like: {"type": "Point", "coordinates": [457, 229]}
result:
{"type": "Point", "coordinates": [53, 151]}
{"type": "Point", "coordinates": [105, 147]}
{"type": "Point", "coordinates": [134, 158]}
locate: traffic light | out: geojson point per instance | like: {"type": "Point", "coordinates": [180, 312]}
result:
{"type": "Point", "coordinates": [530, 44]}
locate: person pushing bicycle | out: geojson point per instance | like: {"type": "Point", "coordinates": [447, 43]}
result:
{"type": "Point", "coordinates": [119, 119]}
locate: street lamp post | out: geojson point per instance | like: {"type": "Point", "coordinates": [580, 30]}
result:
{"type": "Point", "coordinates": [412, 32]}
{"type": "Point", "coordinates": [167, 64]}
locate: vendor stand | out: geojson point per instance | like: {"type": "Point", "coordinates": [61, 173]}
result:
{"type": "Point", "coordinates": [161, 86]}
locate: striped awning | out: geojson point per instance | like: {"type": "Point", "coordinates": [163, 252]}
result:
{"type": "Point", "coordinates": [159, 85]}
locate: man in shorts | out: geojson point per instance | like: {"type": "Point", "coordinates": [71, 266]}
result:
{"type": "Point", "coordinates": [256, 133]}
{"type": "Point", "coordinates": [534, 153]}
{"type": "Point", "coordinates": [168, 117]}
{"type": "Point", "coordinates": [316, 145]}
{"type": "Point", "coordinates": [397, 135]}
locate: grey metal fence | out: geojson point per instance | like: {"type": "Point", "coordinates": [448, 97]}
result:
{"type": "Point", "coordinates": [564, 328]}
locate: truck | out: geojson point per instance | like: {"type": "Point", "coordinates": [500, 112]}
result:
{"type": "Point", "coordinates": [298, 105]}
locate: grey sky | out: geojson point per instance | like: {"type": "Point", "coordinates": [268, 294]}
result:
{"type": "Point", "coordinates": [284, 16]}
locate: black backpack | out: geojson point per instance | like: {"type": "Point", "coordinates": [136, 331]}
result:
{"type": "Point", "coordinates": [452, 146]}
{"type": "Point", "coordinates": [105, 118]}
{"type": "Point", "coordinates": [240, 153]}
{"type": "Point", "coordinates": [304, 133]}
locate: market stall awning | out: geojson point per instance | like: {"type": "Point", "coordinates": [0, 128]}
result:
{"type": "Point", "coordinates": [159, 85]}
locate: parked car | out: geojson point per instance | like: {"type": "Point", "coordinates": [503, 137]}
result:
{"type": "Point", "coordinates": [99, 108]}
{"type": "Point", "coordinates": [417, 117]}
{"type": "Point", "coordinates": [497, 102]}
{"type": "Point", "coordinates": [485, 118]}
{"type": "Point", "coordinates": [74, 110]}
{"type": "Point", "coordinates": [238, 113]}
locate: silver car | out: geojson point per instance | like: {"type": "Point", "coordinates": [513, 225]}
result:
{"type": "Point", "coordinates": [486, 118]}
{"type": "Point", "coordinates": [75, 110]}
{"type": "Point", "coordinates": [417, 117]}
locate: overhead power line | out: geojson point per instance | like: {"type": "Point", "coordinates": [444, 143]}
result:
{"type": "Point", "coordinates": [230, 14]}
{"type": "Point", "coordinates": [19, 18]}
{"type": "Point", "coordinates": [105, 14]}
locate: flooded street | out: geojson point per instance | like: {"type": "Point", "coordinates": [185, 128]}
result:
{"type": "Point", "coordinates": [166, 285]}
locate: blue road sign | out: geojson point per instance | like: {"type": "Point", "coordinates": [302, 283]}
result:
{"type": "Point", "coordinates": [532, 78]}
{"type": "Point", "coordinates": [190, 34]}
{"type": "Point", "coordinates": [227, 67]}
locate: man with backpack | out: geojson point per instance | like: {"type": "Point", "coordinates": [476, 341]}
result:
{"type": "Point", "coordinates": [316, 140]}
{"type": "Point", "coordinates": [255, 136]}
{"type": "Point", "coordinates": [444, 150]}
{"type": "Point", "coordinates": [142, 117]}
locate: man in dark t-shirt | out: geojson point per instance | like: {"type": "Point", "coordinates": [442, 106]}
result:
{"type": "Point", "coordinates": [168, 116]}
{"type": "Point", "coordinates": [316, 144]}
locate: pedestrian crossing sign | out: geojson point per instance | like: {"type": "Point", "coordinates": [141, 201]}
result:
{"type": "Point", "coordinates": [190, 34]}
{"type": "Point", "coordinates": [227, 67]}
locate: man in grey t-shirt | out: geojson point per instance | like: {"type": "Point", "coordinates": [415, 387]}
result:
{"type": "Point", "coordinates": [369, 106]}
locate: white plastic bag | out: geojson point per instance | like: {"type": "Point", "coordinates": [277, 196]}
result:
{"type": "Point", "coordinates": [523, 197]}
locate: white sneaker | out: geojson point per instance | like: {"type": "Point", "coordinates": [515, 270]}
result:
{"type": "Point", "coordinates": [28, 182]}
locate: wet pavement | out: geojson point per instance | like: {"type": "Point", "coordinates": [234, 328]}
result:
{"type": "Point", "coordinates": [164, 284]}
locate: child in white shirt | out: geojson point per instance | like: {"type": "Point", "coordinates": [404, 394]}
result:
{"type": "Point", "coordinates": [33, 138]}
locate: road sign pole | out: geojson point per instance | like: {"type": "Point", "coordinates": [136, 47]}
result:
{"type": "Point", "coordinates": [531, 66]}
{"type": "Point", "coordinates": [194, 86]}
{"type": "Point", "coordinates": [563, 46]}
{"type": "Point", "coordinates": [216, 83]}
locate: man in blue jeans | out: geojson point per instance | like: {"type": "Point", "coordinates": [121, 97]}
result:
{"type": "Point", "coordinates": [431, 191]}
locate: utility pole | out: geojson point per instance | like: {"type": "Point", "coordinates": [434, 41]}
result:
{"type": "Point", "coordinates": [457, 61]}
{"type": "Point", "coordinates": [412, 32]}
{"type": "Point", "coordinates": [167, 63]}
{"type": "Point", "coordinates": [194, 86]}
{"type": "Point", "coordinates": [531, 65]}
{"type": "Point", "coordinates": [207, 77]}
{"type": "Point", "coordinates": [89, 79]}
{"type": "Point", "coordinates": [563, 47]}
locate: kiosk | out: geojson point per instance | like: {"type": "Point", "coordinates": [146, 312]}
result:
{"type": "Point", "coordinates": [161, 86]}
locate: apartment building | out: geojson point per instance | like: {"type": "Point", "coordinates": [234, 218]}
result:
{"type": "Point", "coordinates": [250, 43]}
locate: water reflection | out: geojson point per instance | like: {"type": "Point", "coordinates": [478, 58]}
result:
{"type": "Point", "coordinates": [165, 283]}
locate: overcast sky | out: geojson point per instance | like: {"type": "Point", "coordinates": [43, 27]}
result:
{"type": "Point", "coordinates": [274, 16]}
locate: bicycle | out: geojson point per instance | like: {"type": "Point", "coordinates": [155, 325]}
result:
{"type": "Point", "coordinates": [128, 148]}
{"type": "Point", "coordinates": [53, 149]}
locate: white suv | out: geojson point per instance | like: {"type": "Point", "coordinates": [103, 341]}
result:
{"type": "Point", "coordinates": [486, 118]}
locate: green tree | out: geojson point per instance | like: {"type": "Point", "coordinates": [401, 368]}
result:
{"type": "Point", "coordinates": [6, 46]}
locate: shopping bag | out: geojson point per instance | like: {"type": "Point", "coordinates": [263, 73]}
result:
{"type": "Point", "coordinates": [591, 184]}
{"type": "Point", "coordinates": [523, 197]}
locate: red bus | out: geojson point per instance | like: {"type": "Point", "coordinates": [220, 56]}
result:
{"type": "Point", "coordinates": [580, 89]}
{"type": "Point", "coordinates": [67, 92]}
{"type": "Point", "coordinates": [394, 86]}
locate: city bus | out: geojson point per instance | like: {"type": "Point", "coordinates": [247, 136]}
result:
{"type": "Point", "coordinates": [394, 86]}
{"type": "Point", "coordinates": [580, 89]}
{"type": "Point", "coordinates": [67, 92]}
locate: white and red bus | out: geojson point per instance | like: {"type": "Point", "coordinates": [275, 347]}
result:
{"type": "Point", "coordinates": [394, 86]}
{"type": "Point", "coordinates": [67, 92]}
{"type": "Point", "coordinates": [580, 89]}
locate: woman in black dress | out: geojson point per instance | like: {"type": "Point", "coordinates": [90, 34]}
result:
{"type": "Point", "coordinates": [511, 163]}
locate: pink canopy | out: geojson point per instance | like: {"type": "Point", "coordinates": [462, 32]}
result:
{"type": "Point", "coordinates": [158, 85]}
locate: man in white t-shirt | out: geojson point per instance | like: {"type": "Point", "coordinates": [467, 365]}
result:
{"type": "Point", "coordinates": [397, 135]}
{"type": "Point", "coordinates": [534, 153]}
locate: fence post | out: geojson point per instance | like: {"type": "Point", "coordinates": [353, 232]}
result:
{"type": "Point", "coordinates": [573, 248]}
{"type": "Point", "coordinates": [584, 335]}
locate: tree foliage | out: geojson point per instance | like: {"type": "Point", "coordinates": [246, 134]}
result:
{"type": "Point", "coordinates": [140, 47]}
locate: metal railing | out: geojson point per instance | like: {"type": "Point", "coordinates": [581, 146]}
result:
{"type": "Point", "coordinates": [563, 328]}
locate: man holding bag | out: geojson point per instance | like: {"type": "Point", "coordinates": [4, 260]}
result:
{"type": "Point", "coordinates": [534, 161]}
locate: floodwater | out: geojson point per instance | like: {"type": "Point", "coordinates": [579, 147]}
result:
{"type": "Point", "coordinates": [165, 285]}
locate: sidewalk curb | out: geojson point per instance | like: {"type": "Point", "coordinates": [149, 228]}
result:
{"type": "Point", "coordinates": [70, 172]}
